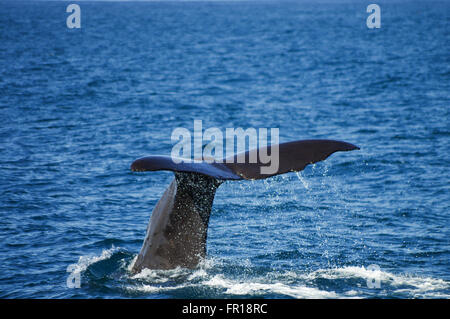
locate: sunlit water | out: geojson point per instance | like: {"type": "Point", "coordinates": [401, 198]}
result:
{"type": "Point", "coordinates": [78, 106]}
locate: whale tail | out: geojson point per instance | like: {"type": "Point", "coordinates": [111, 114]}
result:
{"type": "Point", "coordinates": [176, 234]}
{"type": "Point", "coordinates": [292, 157]}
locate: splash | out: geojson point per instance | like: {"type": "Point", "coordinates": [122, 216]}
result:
{"type": "Point", "coordinates": [350, 282]}
{"type": "Point", "coordinates": [246, 288]}
{"type": "Point", "coordinates": [225, 278]}
{"type": "Point", "coordinates": [85, 261]}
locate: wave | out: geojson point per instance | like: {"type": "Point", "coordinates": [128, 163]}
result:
{"type": "Point", "coordinates": [85, 261]}
{"type": "Point", "coordinates": [236, 287]}
{"type": "Point", "coordinates": [405, 285]}
{"type": "Point", "coordinates": [215, 278]}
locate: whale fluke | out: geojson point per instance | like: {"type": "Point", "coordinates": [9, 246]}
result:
{"type": "Point", "coordinates": [293, 156]}
{"type": "Point", "coordinates": [177, 231]}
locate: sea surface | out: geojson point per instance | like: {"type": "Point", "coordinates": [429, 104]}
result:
{"type": "Point", "coordinates": [77, 106]}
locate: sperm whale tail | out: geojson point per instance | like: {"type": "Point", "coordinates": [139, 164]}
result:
{"type": "Point", "coordinates": [293, 157]}
{"type": "Point", "coordinates": [177, 231]}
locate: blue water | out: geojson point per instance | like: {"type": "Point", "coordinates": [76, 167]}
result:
{"type": "Point", "coordinates": [77, 106]}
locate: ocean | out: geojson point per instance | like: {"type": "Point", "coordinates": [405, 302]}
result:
{"type": "Point", "coordinates": [79, 105]}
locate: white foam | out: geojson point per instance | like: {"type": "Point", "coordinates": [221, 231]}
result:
{"type": "Point", "coordinates": [85, 261]}
{"type": "Point", "coordinates": [418, 286]}
{"type": "Point", "coordinates": [290, 283]}
{"type": "Point", "coordinates": [152, 289]}
{"type": "Point", "coordinates": [201, 273]}
{"type": "Point", "coordinates": [233, 287]}
{"type": "Point", "coordinates": [160, 276]}
{"type": "Point", "coordinates": [256, 288]}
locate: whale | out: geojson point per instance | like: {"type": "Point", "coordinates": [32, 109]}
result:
{"type": "Point", "coordinates": [176, 234]}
